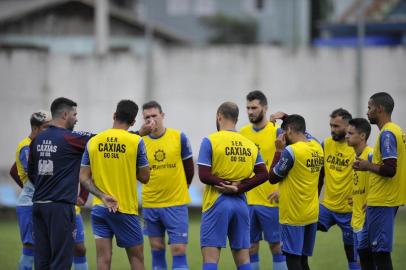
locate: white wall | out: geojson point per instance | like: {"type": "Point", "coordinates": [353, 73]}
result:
{"type": "Point", "coordinates": [190, 83]}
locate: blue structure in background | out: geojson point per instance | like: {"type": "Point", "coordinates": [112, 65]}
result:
{"type": "Point", "coordinates": [8, 196]}
{"type": "Point", "coordinates": [389, 31]}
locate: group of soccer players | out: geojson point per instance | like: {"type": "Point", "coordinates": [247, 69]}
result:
{"type": "Point", "coordinates": [262, 182]}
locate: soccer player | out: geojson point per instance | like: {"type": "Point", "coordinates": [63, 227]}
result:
{"type": "Point", "coordinates": [264, 214]}
{"type": "Point", "coordinates": [226, 162]}
{"type": "Point", "coordinates": [111, 164]}
{"type": "Point", "coordinates": [297, 167]}
{"type": "Point", "coordinates": [338, 173]}
{"type": "Point", "coordinates": [79, 250]}
{"type": "Point", "coordinates": [358, 131]}
{"type": "Point", "coordinates": [165, 196]}
{"type": "Point", "coordinates": [24, 207]}
{"type": "Point", "coordinates": [387, 185]}
{"type": "Point", "coordinates": [53, 167]}
{"type": "Point", "coordinates": [39, 121]}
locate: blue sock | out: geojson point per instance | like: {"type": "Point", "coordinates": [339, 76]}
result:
{"type": "Point", "coordinates": [26, 260]}
{"type": "Point", "coordinates": [80, 263]}
{"type": "Point", "coordinates": [354, 266]}
{"type": "Point", "coordinates": [180, 262]}
{"type": "Point", "coordinates": [279, 262]}
{"type": "Point", "coordinates": [254, 259]}
{"type": "Point", "coordinates": [246, 266]}
{"type": "Point", "coordinates": [158, 259]}
{"type": "Point", "coordinates": [209, 266]}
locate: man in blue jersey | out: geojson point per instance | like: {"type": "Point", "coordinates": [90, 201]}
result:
{"type": "Point", "coordinates": [112, 163]}
{"type": "Point", "coordinates": [229, 165]}
{"type": "Point", "coordinates": [357, 135]}
{"type": "Point", "coordinates": [387, 180]}
{"type": "Point", "coordinates": [39, 121]}
{"type": "Point", "coordinates": [53, 167]}
{"type": "Point", "coordinates": [297, 167]}
{"type": "Point", "coordinates": [337, 176]}
{"type": "Point", "coordinates": [165, 197]}
{"type": "Point", "coordinates": [264, 213]}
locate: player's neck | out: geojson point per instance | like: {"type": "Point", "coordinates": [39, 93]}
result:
{"type": "Point", "coordinates": [261, 124]}
{"type": "Point", "coordinates": [341, 141]}
{"type": "Point", "coordinates": [298, 137]}
{"type": "Point", "coordinates": [360, 148]}
{"type": "Point", "coordinates": [227, 125]}
{"type": "Point", "coordinates": [158, 132]}
{"type": "Point", "coordinates": [120, 125]}
{"type": "Point", "coordinates": [59, 123]}
{"type": "Point", "coordinates": [383, 121]}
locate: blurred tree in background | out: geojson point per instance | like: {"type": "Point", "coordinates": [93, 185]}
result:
{"type": "Point", "coordinates": [231, 30]}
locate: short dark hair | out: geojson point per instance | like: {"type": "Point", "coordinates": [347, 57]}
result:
{"type": "Point", "coordinates": [361, 125]}
{"type": "Point", "coordinates": [152, 104]}
{"type": "Point", "coordinates": [256, 94]}
{"type": "Point", "coordinates": [295, 122]}
{"type": "Point", "coordinates": [343, 113]}
{"type": "Point", "coordinates": [37, 119]}
{"type": "Point", "coordinates": [126, 111]}
{"type": "Point", "coordinates": [229, 110]}
{"type": "Point", "coordinates": [61, 104]}
{"type": "Point", "coordinates": [385, 100]}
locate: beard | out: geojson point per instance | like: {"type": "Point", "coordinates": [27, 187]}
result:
{"type": "Point", "coordinates": [338, 137]}
{"type": "Point", "coordinates": [257, 119]}
{"type": "Point", "coordinates": [70, 126]}
{"type": "Point", "coordinates": [372, 120]}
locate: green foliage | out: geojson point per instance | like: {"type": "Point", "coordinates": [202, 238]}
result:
{"type": "Point", "coordinates": [231, 30]}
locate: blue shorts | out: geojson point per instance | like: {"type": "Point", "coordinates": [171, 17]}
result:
{"type": "Point", "coordinates": [24, 216]}
{"type": "Point", "coordinates": [361, 238]}
{"type": "Point", "coordinates": [80, 233]}
{"type": "Point", "coordinates": [228, 216]}
{"type": "Point", "coordinates": [173, 219]}
{"type": "Point", "coordinates": [298, 240]}
{"type": "Point", "coordinates": [264, 220]}
{"type": "Point", "coordinates": [125, 227]}
{"type": "Point", "coordinates": [328, 218]}
{"type": "Point", "coordinates": [380, 225]}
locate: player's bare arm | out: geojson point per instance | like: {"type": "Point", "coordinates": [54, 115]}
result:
{"type": "Point", "coordinates": [276, 116]}
{"type": "Point", "coordinates": [387, 169]}
{"type": "Point", "coordinates": [85, 178]}
{"type": "Point", "coordinates": [147, 127]}
{"type": "Point", "coordinates": [143, 174]}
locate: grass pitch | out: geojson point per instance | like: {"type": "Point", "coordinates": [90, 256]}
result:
{"type": "Point", "coordinates": [328, 253]}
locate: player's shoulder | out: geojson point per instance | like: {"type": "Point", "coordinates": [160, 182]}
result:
{"type": "Point", "coordinates": [391, 129]}
{"type": "Point", "coordinates": [328, 140]}
{"type": "Point", "coordinates": [174, 131]}
{"type": "Point", "coordinates": [81, 133]}
{"type": "Point", "coordinates": [391, 126]}
{"type": "Point", "coordinates": [246, 128]}
{"type": "Point", "coordinates": [24, 142]}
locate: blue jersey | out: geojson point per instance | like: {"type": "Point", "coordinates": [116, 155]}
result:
{"type": "Point", "coordinates": [54, 164]}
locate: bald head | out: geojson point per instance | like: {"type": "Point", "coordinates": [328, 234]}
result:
{"type": "Point", "coordinates": [229, 110]}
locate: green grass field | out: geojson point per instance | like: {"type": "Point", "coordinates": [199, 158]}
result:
{"type": "Point", "coordinates": [328, 253]}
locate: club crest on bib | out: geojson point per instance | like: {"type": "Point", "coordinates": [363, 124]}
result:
{"type": "Point", "coordinates": [159, 155]}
